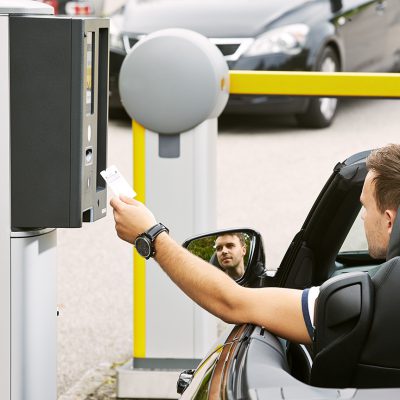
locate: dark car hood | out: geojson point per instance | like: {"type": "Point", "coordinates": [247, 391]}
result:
{"type": "Point", "coordinates": [212, 18]}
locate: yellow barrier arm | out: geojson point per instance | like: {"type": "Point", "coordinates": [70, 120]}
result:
{"type": "Point", "coordinates": [321, 84]}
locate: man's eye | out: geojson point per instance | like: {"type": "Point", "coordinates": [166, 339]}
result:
{"type": "Point", "coordinates": [218, 248]}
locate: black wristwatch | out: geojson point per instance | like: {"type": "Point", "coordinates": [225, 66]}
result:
{"type": "Point", "coordinates": [144, 243]}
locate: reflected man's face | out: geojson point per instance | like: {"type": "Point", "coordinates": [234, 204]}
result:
{"type": "Point", "coordinates": [230, 253]}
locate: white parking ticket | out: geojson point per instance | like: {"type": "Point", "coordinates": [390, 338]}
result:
{"type": "Point", "coordinates": [117, 182]}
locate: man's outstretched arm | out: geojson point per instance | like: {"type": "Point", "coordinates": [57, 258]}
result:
{"type": "Point", "coordinates": [277, 309]}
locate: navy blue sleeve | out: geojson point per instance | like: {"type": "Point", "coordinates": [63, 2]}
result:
{"type": "Point", "coordinates": [306, 314]}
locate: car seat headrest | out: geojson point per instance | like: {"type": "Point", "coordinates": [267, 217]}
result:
{"type": "Point", "coordinates": [394, 242]}
{"type": "Point", "coordinates": [214, 261]}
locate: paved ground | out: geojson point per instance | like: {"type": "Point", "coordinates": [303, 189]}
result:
{"type": "Point", "coordinates": [269, 173]}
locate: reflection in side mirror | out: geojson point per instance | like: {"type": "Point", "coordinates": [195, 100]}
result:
{"type": "Point", "coordinates": [228, 251]}
{"type": "Point", "coordinates": [232, 251]}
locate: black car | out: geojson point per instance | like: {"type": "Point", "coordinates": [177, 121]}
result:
{"type": "Point", "coordinates": [261, 35]}
{"type": "Point", "coordinates": [251, 363]}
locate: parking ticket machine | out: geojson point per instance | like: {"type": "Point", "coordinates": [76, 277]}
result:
{"type": "Point", "coordinates": [53, 143]}
{"type": "Point", "coordinates": [58, 116]}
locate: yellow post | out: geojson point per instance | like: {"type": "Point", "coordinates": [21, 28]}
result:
{"type": "Point", "coordinates": [139, 264]}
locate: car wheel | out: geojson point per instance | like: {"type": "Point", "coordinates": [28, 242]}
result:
{"type": "Point", "coordinates": [321, 111]}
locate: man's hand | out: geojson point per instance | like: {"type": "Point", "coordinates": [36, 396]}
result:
{"type": "Point", "coordinates": [131, 218]}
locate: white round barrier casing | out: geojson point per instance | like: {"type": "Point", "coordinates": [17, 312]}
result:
{"type": "Point", "coordinates": [173, 80]}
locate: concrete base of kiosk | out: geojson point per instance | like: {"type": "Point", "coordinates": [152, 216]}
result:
{"type": "Point", "coordinates": [135, 383]}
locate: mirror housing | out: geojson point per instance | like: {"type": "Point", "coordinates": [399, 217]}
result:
{"type": "Point", "coordinates": [336, 5]}
{"type": "Point", "coordinates": [254, 272]}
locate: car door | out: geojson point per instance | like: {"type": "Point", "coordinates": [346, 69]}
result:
{"type": "Point", "coordinates": [361, 25]}
{"type": "Point", "coordinates": [208, 378]}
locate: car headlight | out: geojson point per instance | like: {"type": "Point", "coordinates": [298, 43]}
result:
{"type": "Point", "coordinates": [289, 39]}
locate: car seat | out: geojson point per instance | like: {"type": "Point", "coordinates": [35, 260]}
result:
{"type": "Point", "coordinates": [358, 326]}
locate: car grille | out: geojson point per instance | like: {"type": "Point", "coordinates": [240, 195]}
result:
{"type": "Point", "coordinates": [129, 41]}
{"type": "Point", "coordinates": [132, 41]}
{"type": "Point", "coordinates": [227, 49]}
{"type": "Point", "coordinates": [231, 48]}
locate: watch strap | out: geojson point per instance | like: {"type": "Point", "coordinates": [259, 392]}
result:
{"type": "Point", "coordinates": [155, 230]}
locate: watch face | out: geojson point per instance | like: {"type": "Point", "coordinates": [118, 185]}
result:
{"type": "Point", "coordinates": [143, 246]}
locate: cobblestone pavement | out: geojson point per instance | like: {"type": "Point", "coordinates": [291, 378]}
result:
{"type": "Point", "coordinates": [107, 391]}
{"type": "Point", "coordinates": [98, 383]}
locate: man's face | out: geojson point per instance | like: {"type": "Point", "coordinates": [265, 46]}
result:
{"type": "Point", "coordinates": [377, 225]}
{"type": "Point", "coordinates": [230, 251]}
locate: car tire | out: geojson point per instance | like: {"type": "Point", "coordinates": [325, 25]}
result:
{"type": "Point", "coordinates": [321, 111]}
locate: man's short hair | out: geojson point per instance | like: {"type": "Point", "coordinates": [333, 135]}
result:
{"type": "Point", "coordinates": [385, 163]}
{"type": "Point", "coordinates": [239, 235]}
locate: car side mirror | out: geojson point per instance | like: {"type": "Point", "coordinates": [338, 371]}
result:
{"type": "Point", "coordinates": [237, 252]}
{"type": "Point", "coordinates": [336, 5]}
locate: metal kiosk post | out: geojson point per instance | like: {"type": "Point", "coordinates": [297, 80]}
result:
{"type": "Point", "coordinates": [53, 143]}
{"type": "Point", "coordinates": [174, 84]}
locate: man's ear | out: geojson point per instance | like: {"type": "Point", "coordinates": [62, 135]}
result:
{"type": "Point", "coordinates": [390, 216]}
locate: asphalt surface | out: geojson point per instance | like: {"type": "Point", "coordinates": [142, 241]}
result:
{"type": "Point", "coordinates": [269, 174]}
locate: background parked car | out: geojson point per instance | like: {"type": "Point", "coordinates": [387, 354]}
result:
{"type": "Point", "coordinates": [291, 35]}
